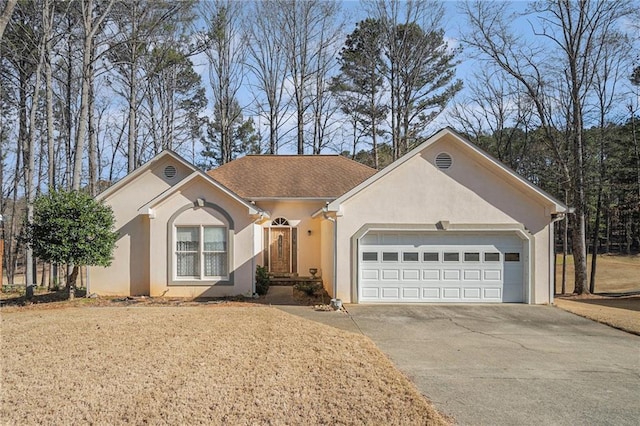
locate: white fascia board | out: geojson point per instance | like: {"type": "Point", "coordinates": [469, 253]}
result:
{"type": "Point", "coordinates": [291, 199]}
{"type": "Point", "coordinates": [149, 207]}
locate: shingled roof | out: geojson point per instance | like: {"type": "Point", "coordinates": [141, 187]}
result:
{"type": "Point", "coordinates": [291, 176]}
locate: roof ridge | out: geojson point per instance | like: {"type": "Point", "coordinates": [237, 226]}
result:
{"type": "Point", "coordinates": [290, 155]}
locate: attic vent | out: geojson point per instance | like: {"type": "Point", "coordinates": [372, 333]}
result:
{"type": "Point", "coordinates": [170, 172]}
{"type": "Point", "coordinates": [443, 161]}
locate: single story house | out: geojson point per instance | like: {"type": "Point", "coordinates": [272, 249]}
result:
{"type": "Point", "coordinates": [444, 223]}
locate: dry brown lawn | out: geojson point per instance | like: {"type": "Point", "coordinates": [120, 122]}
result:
{"type": "Point", "coordinates": [214, 364]}
{"type": "Point", "coordinates": [614, 273]}
{"type": "Point", "coordinates": [622, 313]}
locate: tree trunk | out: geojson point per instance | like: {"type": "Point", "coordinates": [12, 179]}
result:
{"type": "Point", "coordinates": [565, 240]}
{"type": "Point", "coordinates": [300, 117]}
{"type": "Point", "coordinates": [71, 282]}
{"type": "Point", "coordinates": [51, 170]}
{"type": "Point", "coordinates": [90, 28]}
{"type": "Point", "coordinates": [374, 131]}
{"type": "Point", "coordinates": [132, 140]}
{"type": "Point", "coordinates": [93, 137]}
{"type": "Point", "coordinates": [6, 15]}
{"type": "Point", "coordinates": [68, 105]}
{"type": "Point", "coordinates": [30, 159]}
{"type": "Point", "coordinates": [81, 133]}
{"type": "Point", "coordinates": [595, 242]}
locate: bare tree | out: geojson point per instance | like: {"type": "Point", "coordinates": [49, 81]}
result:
{"type": "Point", "coordinates": [308, 28]}
{"type": "Point", "coordinates": [557, 71]}
{"type": "Point", "coordinates": [495, 115]}
{"type": "Point", "coordinates": [420, 66]}
{"type": "Point", "coordinates": [226, 51]}
{"type": "Point", "coordinates": [92, 20]}
{"type": "Point", "coordinates": [610, 65]}
{"type": "Point", "coordinates": [267, 61]}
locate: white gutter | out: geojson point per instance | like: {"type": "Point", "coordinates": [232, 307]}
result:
{"type": "Point", "coordinates": [256, 223]}
{"type": "Point", "coordinates": [335, 251]}
{"type": "Point", "coordinates": [552, 253]}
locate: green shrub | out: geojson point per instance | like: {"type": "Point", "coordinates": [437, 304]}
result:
{"type": "Point", "coordinates": [310, 288]}
{"type": "Point", "coordinates": [262, 280]}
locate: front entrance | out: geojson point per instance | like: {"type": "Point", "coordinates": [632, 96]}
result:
{"type": "Point", "coordinates": [280, 250]}
{"type": "Point", "coordinates": [281, 247]}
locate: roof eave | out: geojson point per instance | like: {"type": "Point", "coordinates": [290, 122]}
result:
{"type": "Point", "coordinates": [314, 199]}
{"type": "Point", "coordinates": [148, 208]}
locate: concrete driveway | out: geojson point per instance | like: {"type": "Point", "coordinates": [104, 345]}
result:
{"type": "Point", "coordinates": [510, 364]}
{"type": "Point", "coordinates": [505, 364]}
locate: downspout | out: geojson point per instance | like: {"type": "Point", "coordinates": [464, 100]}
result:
{"type": "Point", "coordinates": [335, 250]}
{"type": "Point", "coordinates": [555, 217]}
{"type": "Point", "coordinates": [253, 256]}
{"type": "Point", "coordinates": [253, 262]}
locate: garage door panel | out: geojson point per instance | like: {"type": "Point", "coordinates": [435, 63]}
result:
{"type": "Point", "coordinates": [411, 293]}
{"type": "Point", "coordinates": [410, 275]}
{"type": "Point", "coordinates": [451, 293]}
{"type": "Point", "coordinates": [390, 293]}
{"type": "Point", "coordinates": [447, 268]}
{"type": "Point", "coordinates": [451, 275]}
{"type": "Point", "coordinates": [429, 293]}
{"type": "Point", "coordinates": [472, 293]}
{"type": "Point", "coordinates": [492, 293]}
{"type": "Point", "coordinates": [492, 275]}
{"type": "Point", "coordinates": [390, 274]}
{"type": "Point", "coordinates": [431, 274]}
{"type": "Point", "coordinates": [472, 275]}
{"type": "Point", "coordinates": [370, 293]}
{"type": "Point", "coordinates": [370, 274]}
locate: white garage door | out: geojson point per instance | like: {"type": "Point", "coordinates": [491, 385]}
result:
{"type": "Point", "coordinates": [421, 267]}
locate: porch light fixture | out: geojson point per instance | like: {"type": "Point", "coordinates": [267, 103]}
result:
{"type": "Point", "coordinates": [309, 232]}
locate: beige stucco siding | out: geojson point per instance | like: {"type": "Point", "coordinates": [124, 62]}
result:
{"type": "Point", "coordinates": [418, 193]}
{"type": "Point", "coordinates": [298, 213]}
{"type": "Point", "coordinates": [129, 271]}
{"type": "Point", "coordinates": [162, 279]}
{"type": "Point", "coordinates": [142, 263]}
{"type": "Point", "coordinates": [326, 254]}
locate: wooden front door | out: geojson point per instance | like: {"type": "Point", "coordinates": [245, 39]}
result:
{"type": "Point", "coordinates": [280, 250]}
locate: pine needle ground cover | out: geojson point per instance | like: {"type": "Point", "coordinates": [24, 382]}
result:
{"type": "Point", "coordinates": [193, 365]}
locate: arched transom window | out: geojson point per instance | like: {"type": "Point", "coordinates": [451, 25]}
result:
{"type": "Point", "coordinates": [280, 221]}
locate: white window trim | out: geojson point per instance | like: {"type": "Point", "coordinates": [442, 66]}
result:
{"type": "Point", "coordinates": [201, 251]}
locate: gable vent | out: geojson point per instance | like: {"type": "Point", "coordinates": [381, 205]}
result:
{"type": "Point", "coordinates": [170, 172]}
{"type": "Point", "coordinates": [443, 161]}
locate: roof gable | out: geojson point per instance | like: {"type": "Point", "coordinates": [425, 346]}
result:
{"type": "Point", "coordinates": [453, 137]}
{"type": "Point", "coordinates": [162, 156]}
{"type": "Point", "coordinates": [196, 175]}
{"type": "Point", "coordinates": [157, 198]}
{"type": "Point", "coordinates": [291, 176]}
